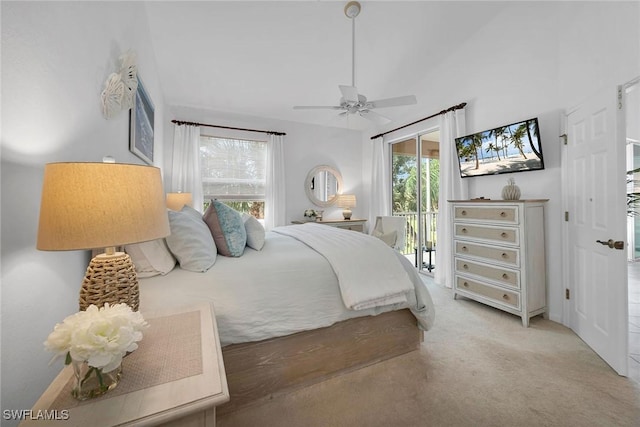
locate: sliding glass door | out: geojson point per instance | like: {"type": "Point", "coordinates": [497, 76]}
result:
{"type": "Point", "coordinates": [415, 179]}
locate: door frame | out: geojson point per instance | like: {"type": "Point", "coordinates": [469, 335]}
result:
{"type": "Point", "coordinates": [630, 143]}
{"type": "Point", "coordinates": [416, 135]}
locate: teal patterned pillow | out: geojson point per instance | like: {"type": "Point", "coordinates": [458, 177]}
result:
{"type": "Point", "coordinates": [227, 229]}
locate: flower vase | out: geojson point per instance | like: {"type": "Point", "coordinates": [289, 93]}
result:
{"type": "Point", "coordinates": [511, 191]}
{"type": "Point", "coordinates": [92, 382]}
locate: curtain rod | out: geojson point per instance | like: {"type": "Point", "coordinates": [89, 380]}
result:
{"type": "Point", "coordinates": [270, 132]}
{"type": "Point", "coordinates": [455, 107]}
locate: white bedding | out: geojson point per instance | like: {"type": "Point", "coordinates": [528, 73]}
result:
{"type": "Point", "coordinates": [286, 287]}
{"type": "Point", "coordinates": [373, 278]}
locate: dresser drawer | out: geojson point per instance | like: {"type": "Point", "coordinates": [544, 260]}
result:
{"type": "Point", "coordinates": [503, 235]}
{"type": "Point", "coordinates": [506, 256]}
{"type": "Point", "coordinates": [502, 215]}
{"type": "Point", "coordinates": [503, 276]}
{"type": "Point", "coordinates": [499, 295]}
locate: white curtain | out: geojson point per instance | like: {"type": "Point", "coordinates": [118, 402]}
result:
{"type": "Point", "coordinates": [274, 210]}
{"type": "Point", "coordinates": [380, 204]}
{"type": "Point", "coordinates": [185, 174]}
{"type": "Point", "coordinates": [452, 187]}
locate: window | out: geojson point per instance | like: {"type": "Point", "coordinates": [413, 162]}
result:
{"type": "Point", "coordinates": [234, 172]}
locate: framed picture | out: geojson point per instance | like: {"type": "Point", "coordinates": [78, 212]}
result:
{"type": "Point", "coordinates": [141, 125]}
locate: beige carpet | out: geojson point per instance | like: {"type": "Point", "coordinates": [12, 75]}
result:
{"type": "Point", "coordinates": [477, 367]}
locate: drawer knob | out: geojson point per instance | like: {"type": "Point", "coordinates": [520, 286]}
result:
{"type": "Point", "coordinates": [464, 249]}
{"type": "Point", "coordinates": [503, 214]}
{"type": "Point", "coordinates": [464, 230]}
{"type": "Point", "coordinates": [463, 213]}
{"type": "Point", "coordinates": [503, 235]}
{"type": "Point", "coordinates": [465, 284]}
{"type": "Point", "coordinates": [505, 297]}
{"type": "Point", "coordinates": [505, 255]}
{"type": "Point", "coordinates": [505, 276]}
{"type": "Point", "coordinates": [465, 266]}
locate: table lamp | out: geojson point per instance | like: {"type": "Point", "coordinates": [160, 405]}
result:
{"type": "Point", "coordinates": [175, 201]}
{"type": "Point", "coordinates": [102, 205]}
{"type": "Point", "coordinates": [346, 201]}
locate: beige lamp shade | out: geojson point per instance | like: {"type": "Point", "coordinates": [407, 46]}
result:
{"type": "Point", "coordinates": [347, 201]}
{"type": "Point", "coordinates": [175, 201]}
{"type": "Point", "coordinates": [99, 205]}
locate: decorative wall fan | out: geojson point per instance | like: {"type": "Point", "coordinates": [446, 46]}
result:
{"type": "Point", "coordinates": [351, 101]}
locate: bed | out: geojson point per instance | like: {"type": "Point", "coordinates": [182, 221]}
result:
{"type": "Point", "coordinates": [282, 310]}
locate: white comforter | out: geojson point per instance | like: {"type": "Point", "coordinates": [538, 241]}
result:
{"type": "Point", "coordinates": [285, 288]}
{"type": "Point", "coordinates": [368, 272]}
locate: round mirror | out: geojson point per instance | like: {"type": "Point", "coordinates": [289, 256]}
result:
{"type": "Point", "coordinates": [323, 184]}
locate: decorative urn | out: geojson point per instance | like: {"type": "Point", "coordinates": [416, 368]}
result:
{"type": "Point", "coordinates": [511, 191]}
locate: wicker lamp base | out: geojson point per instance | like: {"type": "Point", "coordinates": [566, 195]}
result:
{"type": "Point", "coordinates": [112, 279]}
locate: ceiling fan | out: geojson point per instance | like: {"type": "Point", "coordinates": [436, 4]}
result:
{"type": "Point", "coordinates": [351, 101]}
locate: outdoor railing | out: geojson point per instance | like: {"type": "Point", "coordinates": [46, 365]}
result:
{"type": "Point", "coordinates": [429, 222]}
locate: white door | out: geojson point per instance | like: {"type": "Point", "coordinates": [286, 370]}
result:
{"type": "Point", "coordinates": [595, 200]}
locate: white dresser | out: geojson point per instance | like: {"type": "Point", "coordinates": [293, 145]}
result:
{"type": "Point", "coordinates": [499, 255]}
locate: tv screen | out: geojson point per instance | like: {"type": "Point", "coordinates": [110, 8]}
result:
{"type": "Point", "coordinates": [505, 149]}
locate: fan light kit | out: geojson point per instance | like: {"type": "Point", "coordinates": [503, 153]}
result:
{"type": "Point", "coordinates": [352, 102]}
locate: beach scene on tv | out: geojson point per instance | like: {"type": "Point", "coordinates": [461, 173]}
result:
{"type": "Point", "coordinates": [511, 148]}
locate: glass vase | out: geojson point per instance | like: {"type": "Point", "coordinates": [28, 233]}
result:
{"type": "Point", "coordinates": [92, 382]}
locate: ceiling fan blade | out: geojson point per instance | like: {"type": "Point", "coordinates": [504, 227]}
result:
{"type": "Point", "coordinates": [393, 102]}
{"type": "Point", "coordinates": [349, 93]}
{"type": "Point", "coordinates": [374, 117]}
{"type": "Point", "coordinates": [317, 107]}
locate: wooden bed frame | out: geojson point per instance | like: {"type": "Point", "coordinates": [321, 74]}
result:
{"type": "Point", "coordinates": [259, 370]}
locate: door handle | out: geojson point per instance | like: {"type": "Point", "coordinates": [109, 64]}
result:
{"type": "Point", "coordinates": [618, 244]}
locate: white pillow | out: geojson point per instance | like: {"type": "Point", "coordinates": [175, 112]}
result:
{"type": "Point", "coordinates": [190, 240]}
{"type": "Point", "coordinates": [255, 231]}
{"type": "Point", "coordinates": [151, 258]}
{"type": "Point", "coordinates": [389, 238]}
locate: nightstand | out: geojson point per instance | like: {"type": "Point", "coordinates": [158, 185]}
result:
{"type": "Point", "coordinates": [347, 224]}
{"type": "Point", "coordinates": [176, 377]}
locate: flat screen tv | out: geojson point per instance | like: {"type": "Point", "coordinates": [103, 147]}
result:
{"type": "Point", "coordinates": [505, 149]}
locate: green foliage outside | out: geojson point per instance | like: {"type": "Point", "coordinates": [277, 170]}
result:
{"type": "Point", "coordinates": [404, 191]}
{"type": "Point", "coordinates": [255, 208]}
{"type": "Point", "coordinates": [404, 196]}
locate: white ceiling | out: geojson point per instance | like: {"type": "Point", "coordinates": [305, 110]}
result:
{"type": "Point", "coordinates": [262, 58]}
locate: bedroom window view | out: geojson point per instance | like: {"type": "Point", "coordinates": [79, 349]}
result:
{"type": "Point", "coordinates": [417, 199]}
{"type": "Point", "coordinates": [234, 172]}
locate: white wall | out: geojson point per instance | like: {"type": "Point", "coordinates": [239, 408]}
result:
{"type": "Point", "coordinates": [55, 59]}
{"type": "Point", "coordinates": [306, 146]}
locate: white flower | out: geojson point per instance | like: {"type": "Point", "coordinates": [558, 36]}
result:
{"type": "Point", "coordinates": [101, 337]}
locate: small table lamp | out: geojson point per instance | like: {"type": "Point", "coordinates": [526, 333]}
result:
{"type": "Point", "coordinates": [102, 205]}
{"type": "Point", "coordinates": [346, 201]}
{"type": "Point", "coordinates": [175, 201]}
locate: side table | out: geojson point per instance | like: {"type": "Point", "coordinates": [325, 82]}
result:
{"type": "Point", "coordinates": [176, 377]}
